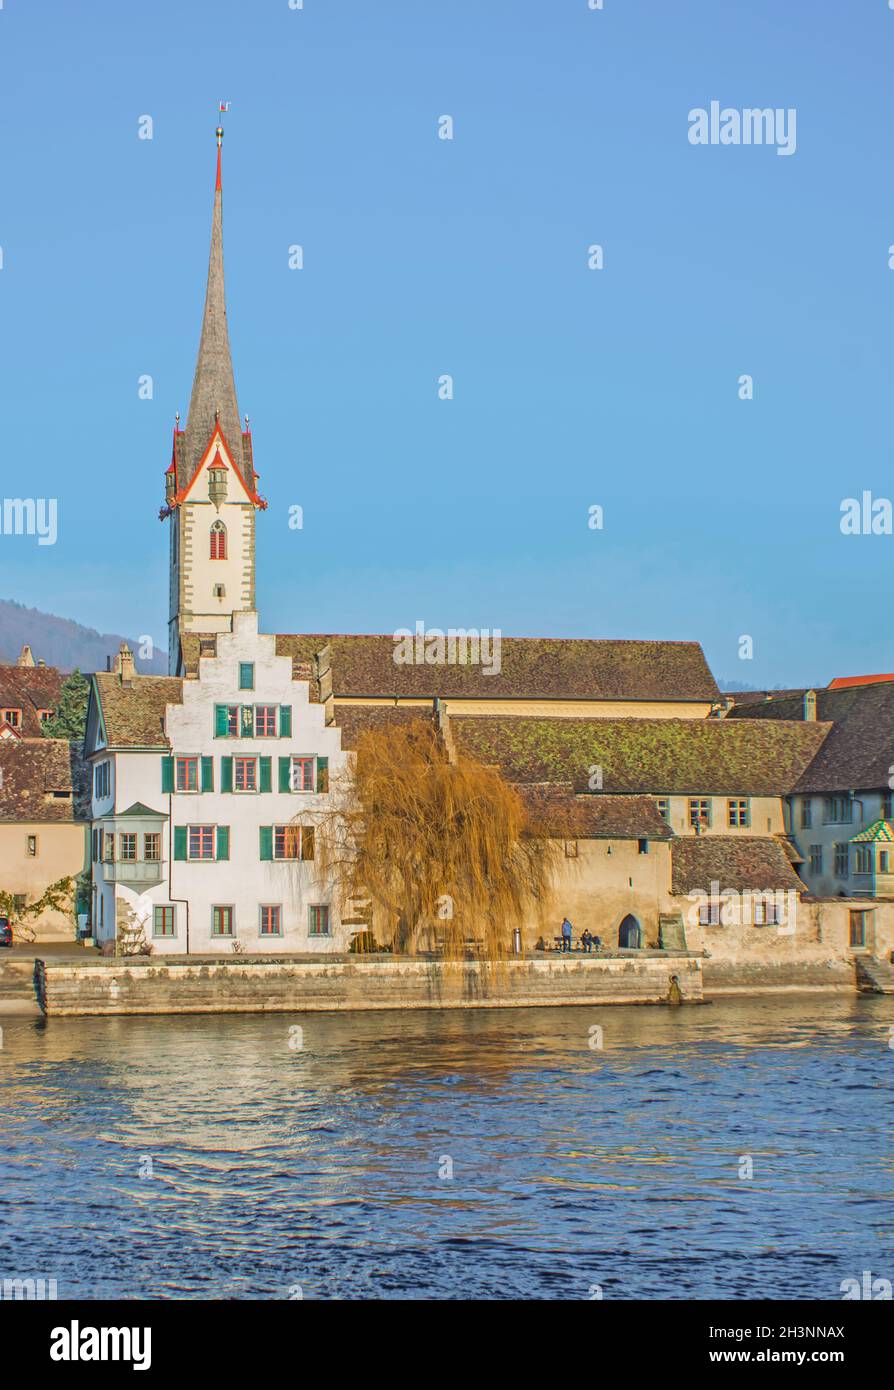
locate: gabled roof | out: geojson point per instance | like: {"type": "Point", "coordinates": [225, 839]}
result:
{"type": "Point", "coordinates": [857, 754]}
{"type": "Point", "coordinates": [133, 714]}
{"type": "Point", "coordinates": [746, 864]}
{"type": "Point", "coordinates": [880, 830]}
{"type": "Point", "coordinates": [140, 811]}
{"type": "Point", "coordinates": [546, 668]}
{"type": "Point", "coordinates": [842, 682]}
{"type": "Point", "coordinates": [33, 769]}
{"type": "Point", "coordinates": [658, 756]}
{"type": "Point", "coordinates": [30, 688]}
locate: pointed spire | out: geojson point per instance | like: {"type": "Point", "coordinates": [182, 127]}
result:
{"type": "Point", "coordinates": [213, 388]}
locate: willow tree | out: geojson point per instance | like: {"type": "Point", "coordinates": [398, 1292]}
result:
{"type": "Point", "coordinates": [441, 848]}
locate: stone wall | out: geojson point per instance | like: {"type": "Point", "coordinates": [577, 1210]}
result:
{"type": "Point", "coordinates": [144, 986]}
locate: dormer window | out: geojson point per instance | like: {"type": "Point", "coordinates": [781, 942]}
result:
{"type": "Point", "coordinates": [218, 540]}
{"type": "Point", "coordinates": [217, 485]}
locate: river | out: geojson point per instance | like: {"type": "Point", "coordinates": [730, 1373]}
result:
{"type": "Point", "coordinates": [738, 1150]}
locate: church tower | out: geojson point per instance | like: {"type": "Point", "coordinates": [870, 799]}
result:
{"type": "Point", "coordinates": [211, 485]}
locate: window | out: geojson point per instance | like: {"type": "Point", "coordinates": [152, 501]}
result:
{"type": "Point", "coordinates": [699, 812]}
{"type": "Point", "coordinates": [738, 813]}
{"type": "Point", "coordinates": [107, 846]}
{"type": "Point", "coordinates": [245, 774]}
{"type": "Point", "coordinates": [293, 842]}
{"type": "Point", "coordinates": [163, 921]}
{"type": "Point", "coordinates": [571, 849]}
{"type": "Point", "coordinates": [44, 714]}
{"type": "Point", "coordinates": [318, 919]}
{"type": "Point", "coordinates": [815, 859]}
{"type": "Point", "coordinates": [664, 807]}
{"type": "Point", "coordinates": [709, 915]}
{"type": "Point", "coordinates": [221, 921]}
{"type": "Point", "coordinates": [31, 846]}
{"type": "Point", "coordinates": [862, 859]}
{"type": "Point", "coordinates": [201, 841]}
{"type": "Point", "coordinates": [152, 846]}
{"type": "Point", "coordinates": [838, 810]}
{"type": "Point", "coordinates": [767, 911]}
{"type": "Point", "coordinates": [644, 846]}
{"type": "Point", "coordinates": [220, 591]}
{"type": "Point", "coordinates": [302, 774]}
{"type": "Point", "coordinates": [265, 721]}
{"type": "Point", "coordinates": [807, 813]}
{"type": "Point", "coordinates": [886, 805]}
{"type": "Point", "coordinates": [187, 774]}
{"type": "Point", "coordinates": [101, 780]}
{"type": "Point", "coordinates": [127, 846]}
{"type": "Point", "coordinates": [226, 721]}
{"type": "Point", "coordinates": [246, 675]}
{"type": "Point", "coordinates": [841, 860]}
{"type": "Point", "coordinates": [218, 541]}
{"type": "Point", "coordinates": [95, 855]}
{"type": "Point", "coordinates": [271, 920]}
{"type": "Point", "coordinates": [883, 861]}
{"type": "Point", "coordinates": [12, 717]}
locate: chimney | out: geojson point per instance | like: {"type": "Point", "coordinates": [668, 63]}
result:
{"type": "Point", "coordinates": [26, 656]}
{"type": "Point", "coordinates": [810, 706]}
{"type": "Point", "coordinates": [124, 665]}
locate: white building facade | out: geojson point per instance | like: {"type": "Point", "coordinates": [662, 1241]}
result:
{"type": "Point", "coordinates": [209, 837]}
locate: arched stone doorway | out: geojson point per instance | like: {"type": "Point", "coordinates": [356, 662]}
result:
{"type": "Point", "coordinates": [630, 934]}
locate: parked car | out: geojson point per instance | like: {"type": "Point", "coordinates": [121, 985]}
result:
{"type": "Point", "coordinates": [5, 932]}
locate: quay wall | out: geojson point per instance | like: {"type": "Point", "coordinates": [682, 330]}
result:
{"type": "Point", "coordinates": [144, 986]}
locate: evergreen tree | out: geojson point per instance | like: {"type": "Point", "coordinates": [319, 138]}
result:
{"type": "Point", "coordinates": [70, 719]}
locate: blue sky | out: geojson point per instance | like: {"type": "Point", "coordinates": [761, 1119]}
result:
{"type": "Point", "coordinates": [572, 387]}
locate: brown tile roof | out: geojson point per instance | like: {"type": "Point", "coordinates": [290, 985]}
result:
{"type": "Point", "coordinates": [354, 720]}
{"type": "Point", "coordinates": [134, 714]}
{"type": "Point", "coordinates": [554, 809]}
{"type": "Point", "coordinates": [30, 688]}
{"type": "Point", "coordinates": [659, 756]}
{"type": "Point", "coordinates": [530, 668]}
{"type": "Point", "coordinates": [857, 754]}
{"type": "Point", "coordinates": [756, 697]}
{"type": "Point", "coordinates": [749, 863]}
{"type": "Point", "coordinates": [33, 770]}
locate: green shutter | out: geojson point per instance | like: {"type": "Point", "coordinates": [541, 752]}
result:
{"type": "Point", "coordinates": [266, 833]}
{"type": "Point", "coordinates": [207, 774]}
{"type": "Point", "coordinates": [247, 721]}
{"type": "Point", "coordinates": [285, 774]}
{"type": "Point", "coordinates": [223, 842]}
{"type": "Point", "coordinates": [266, 782]}
{"type": "Point", "coordinates": [179, 841]}
{"type": "Point", "coordinates": [322, 774]}
{"type": "Point", "coordinates": [167, 774]}
{"type": "Point", "coordinates": [285, 721]}
{"type": "Point", "coordinates": [226, 774]}
{"type": "Point", "coordinates": [221, 721]}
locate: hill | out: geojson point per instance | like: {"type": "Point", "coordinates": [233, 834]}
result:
{"type": "Point", "coordinates": [64, 643]}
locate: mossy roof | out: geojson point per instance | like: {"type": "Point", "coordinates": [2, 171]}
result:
{"type": "Point", "coordinates": [657, 756]}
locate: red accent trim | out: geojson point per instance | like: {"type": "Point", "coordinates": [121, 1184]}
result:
{"type": "Point", "coordinates": [217, 438]}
